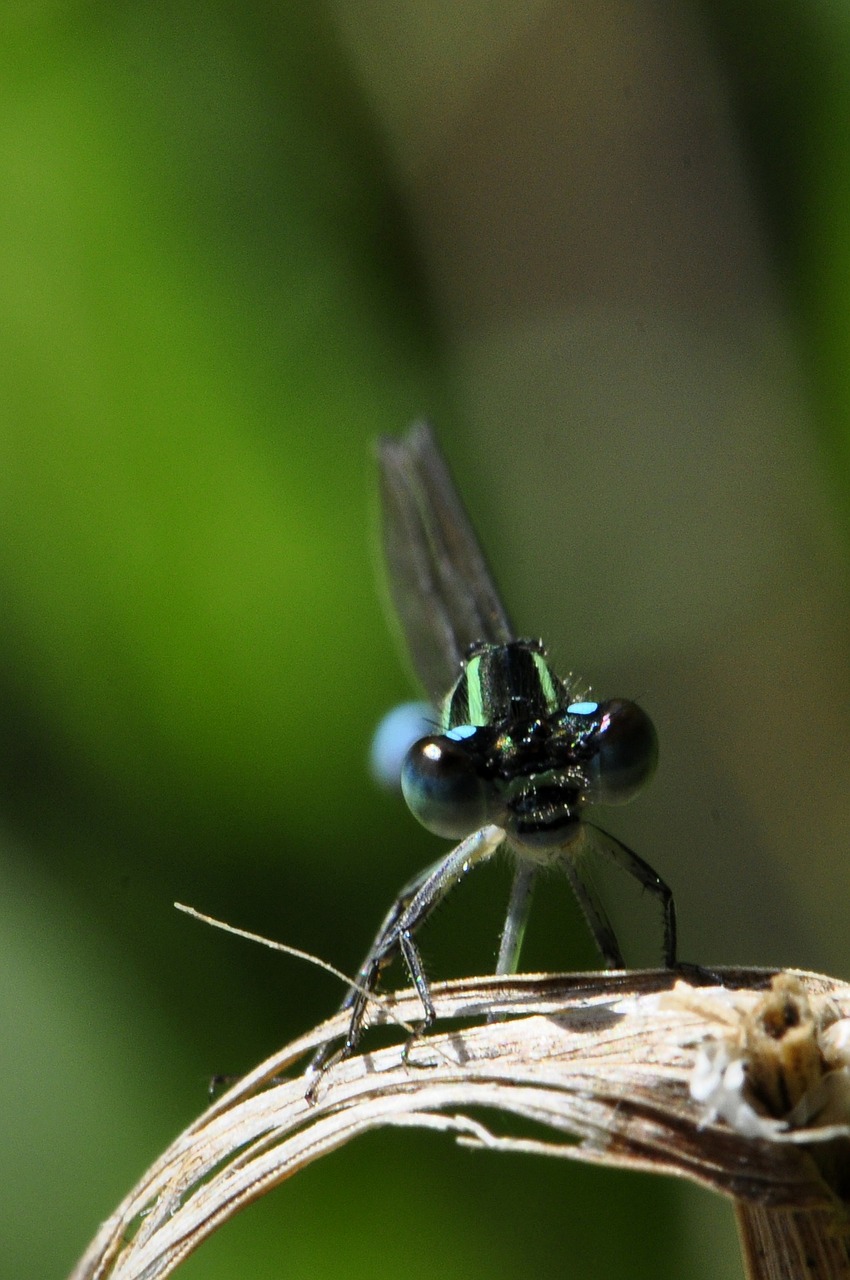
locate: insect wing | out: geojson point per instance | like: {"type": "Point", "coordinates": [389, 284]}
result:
{"type": "Point", "coordinates": [439, 583]}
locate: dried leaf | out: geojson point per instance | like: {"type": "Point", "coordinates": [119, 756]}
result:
{"type": "Point", "coordinates": [603, 1064]}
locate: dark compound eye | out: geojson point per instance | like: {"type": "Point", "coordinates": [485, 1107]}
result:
{"type": "Point", "coordinates": [442, 787]}
{"type": "Point", "coordinates": [625, 748]}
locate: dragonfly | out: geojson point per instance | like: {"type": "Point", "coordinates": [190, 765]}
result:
{"type": "Point", "coordinates": [517, 755]}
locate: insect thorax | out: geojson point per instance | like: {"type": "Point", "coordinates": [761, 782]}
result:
{"type": "Point", "coordinates": [504, 683]}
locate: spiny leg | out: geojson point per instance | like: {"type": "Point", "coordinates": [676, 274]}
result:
{"type": "Point", "coordinates": [410, 910]}
{"type": "Point", "coordinates": [360, 989]}
{"type": "Point", "coordinates": [377, 959]}
{"type": "Point", "coordinates": [594, 913]}
{"type": "Point", "coordinates": [624, 857]}
{"type": "Point", "coordinates": [406, 917]}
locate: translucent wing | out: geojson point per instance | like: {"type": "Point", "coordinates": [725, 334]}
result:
{"type": "Point", "coordinates": [438, 578]}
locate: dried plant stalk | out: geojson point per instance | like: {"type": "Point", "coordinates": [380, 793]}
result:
{"type": "Point", "coordinates": [781, 1243]}
{"type": "Point", "coordinates": [612, 1064]}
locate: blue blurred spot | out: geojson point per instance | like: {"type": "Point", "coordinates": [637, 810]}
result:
{"type": "Point", "coordinates": [394, 737]}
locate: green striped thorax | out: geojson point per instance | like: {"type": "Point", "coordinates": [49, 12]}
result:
{"type": "Point", "coordinates": [504, 682]}
{"type": "Point", "coordinates": [518, 748]}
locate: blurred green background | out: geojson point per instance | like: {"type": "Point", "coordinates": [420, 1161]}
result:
{"type": "Point", "coordinates": [606, 248]}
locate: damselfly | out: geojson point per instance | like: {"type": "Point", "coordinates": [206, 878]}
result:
{"type": "Point", "coordinates": [518, 754]}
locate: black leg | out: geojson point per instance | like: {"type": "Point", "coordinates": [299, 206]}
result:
{"type": "Point", "coordinates": [644, 874]}
{"type": "Point", "coordinates": [410, 910]}
{"type": "Point", "coordinates": [594, 913]}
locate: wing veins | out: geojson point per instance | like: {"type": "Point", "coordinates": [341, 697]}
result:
{"type": "Point", "coordinates": [442, 590]}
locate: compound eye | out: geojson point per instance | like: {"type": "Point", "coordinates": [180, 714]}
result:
{"type": "Point", "coordinates": [626, 752]}
{"type": "Point", "coordinates": [442, 788]}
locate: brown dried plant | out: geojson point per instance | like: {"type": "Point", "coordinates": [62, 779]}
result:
{"type": "Point", "coordinates": [742, 1087]}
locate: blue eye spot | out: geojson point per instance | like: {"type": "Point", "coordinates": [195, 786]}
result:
{"type": "Point", "coordinates": [460, 732]}
{"type": "Point", "coordinates": [583, 708]}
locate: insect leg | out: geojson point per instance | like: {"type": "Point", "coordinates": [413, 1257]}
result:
{"type": "Point", "coordinates": [595, 914]}
{"type": "Point", "coordinates": [412, 907]}
{"type": "Point", "coordinates": [517, 917]}
{"type": "Point", "coordinates": [644, 874]}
